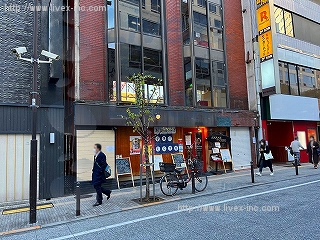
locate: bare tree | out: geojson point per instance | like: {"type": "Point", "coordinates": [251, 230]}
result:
{"type": "Point", "coordinates": [142, 114]}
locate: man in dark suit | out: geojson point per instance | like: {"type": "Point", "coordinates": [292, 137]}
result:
{"type": "Point", "coordinates": [98, 177]}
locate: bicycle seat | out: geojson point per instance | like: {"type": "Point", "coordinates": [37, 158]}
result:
{"type": "Point", "coordinates": [178, 170]}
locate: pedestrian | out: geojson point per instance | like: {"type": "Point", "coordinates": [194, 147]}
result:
{"type": "Point", "coordinates": [313, 152]}
{"type": "Point", "coordinates": [296, 146]}
{"type": "Point", "coordinates": [265, 157]}
{"type": "Point", "coordinates": [98, 174]}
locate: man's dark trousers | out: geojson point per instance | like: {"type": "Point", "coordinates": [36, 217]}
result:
{"type": "Point", "coordinates": [100, 190]}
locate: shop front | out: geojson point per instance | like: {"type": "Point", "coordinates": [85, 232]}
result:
{"type": "Point", "coordinates": [290, 116]}
{"type": "Point", "coordinates": [176, 135]}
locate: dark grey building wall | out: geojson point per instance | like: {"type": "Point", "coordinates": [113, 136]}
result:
{"type": "Point", "coordinates": [15, 120]}
{"type": "Point", "coordinates": [16, 30]}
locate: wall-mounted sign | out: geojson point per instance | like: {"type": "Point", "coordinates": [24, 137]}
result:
{"type": "Point", "coordinates": [265, 45]}
{"type": "Point", "coordinates": [164, 130]}
{"type": "Point", "coordinates": [263, 19]}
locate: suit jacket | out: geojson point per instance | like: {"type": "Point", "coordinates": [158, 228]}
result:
{"type": "Point", "coordinates": [312, 152]}
{"type": "Point", "coordinates": [99, 166]}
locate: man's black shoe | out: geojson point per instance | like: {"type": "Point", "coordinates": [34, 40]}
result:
{"type": "Point", "coordinates": [97, 204]}
{"type": "Point", "coordinates": [108, 196]}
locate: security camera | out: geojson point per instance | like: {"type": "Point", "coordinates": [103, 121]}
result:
{"type": "Point", "coordinates": [50, 55]}
{"type": "Point", "coordinates": [19, 50]}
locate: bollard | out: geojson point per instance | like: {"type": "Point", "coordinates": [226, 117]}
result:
{"type": "Point", "coordinates": [252, 172]}
{"type": "Point", "coordinates": [296, 164]}
{"type": "Point", "coordinates": [193, 184]}
{"type": "Point", "coordinates": [78, 199]}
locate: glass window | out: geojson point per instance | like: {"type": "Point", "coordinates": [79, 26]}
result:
{"type": "Point", "coordinates": [220, 97]}
{"type": "Point", "coordinates": [279, 19]}
{"type": "Point", "coordinates": [284, 78]}
{"type": "Point", "coordinates": [111, 14]}
{"type": "Point", "coordinates": [213, 8]}
{"type": "Point", "coordinates": [152, 18]}
{"type": "Point", "coordinates": [203, 85]}
{"type": "Point", "coordinates": [200, 35]}
{"type": "Point", "coordinates": [288, 23]}
{"type": "Point", "coordinates": [151, 27]}
{"type": "Point", "coordinates": [155, 5]}
{"type": "Point", "coordinates": [129, 15]}
{"type": "Point", "coordinates": [188, 81]}
{"type": "Point", "coordinates": [202, 3]}
{"type": "Point", "coordinates": [294, 86]}
{"type": "Point", "coordinates": [216, 32]}
{"type": "Point", "coordinates": [112, 86]}
{"type": "Point", "coordinates": [284, 23]}
{"type": "Point", "coordinates": [185, 22]}
{"type": "Point", "coordinates": [307, 81]}
{"type": "Point", "coordinates": [200, 18]}
{"type": "Point", "coordinates": [153, 62]}
{"type": "Point", "coordinates": [218, 71]}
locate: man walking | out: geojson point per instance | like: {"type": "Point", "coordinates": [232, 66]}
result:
{"type": "Point", "coordinates": [98, 177]}
{"type": "Point", "coordinates": [295, 146]}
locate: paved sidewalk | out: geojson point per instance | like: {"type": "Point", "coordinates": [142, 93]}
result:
{"type": "Point", "coordinates": [121, 200]}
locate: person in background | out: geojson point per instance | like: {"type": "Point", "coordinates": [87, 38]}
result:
{"type": "Point", "coordinates": [312, 152]}
{"type": "Point", "coordinates": [264, 149]}
{"type": "Point", "coordinates": [98, 176]}
{"type": "Point", "coordinates": [295, 146]}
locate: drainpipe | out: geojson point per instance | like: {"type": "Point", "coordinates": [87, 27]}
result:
{"type": "Point", "coordinates": [76, 50]}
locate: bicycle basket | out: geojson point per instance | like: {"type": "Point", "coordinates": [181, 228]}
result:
{"type": "Point", "coordinates": [167, 167]}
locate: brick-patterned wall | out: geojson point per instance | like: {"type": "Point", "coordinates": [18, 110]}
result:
{"type": "Point", "coordinates": [175, 54]}
{"type": "Point", "coordinates": [92, 52]}
{"type": "Point", "coordinates": [235, 55]}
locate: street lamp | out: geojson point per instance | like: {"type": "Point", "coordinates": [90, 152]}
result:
{"type": "Point", "coordinates": [34, 106]}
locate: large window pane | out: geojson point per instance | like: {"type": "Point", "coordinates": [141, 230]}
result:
{"type": "Point", "coordinates": [294, 86]}
{"type": "Point", "coordinates": [185, 22]}
{"type": "Point", "coordinates": [200, 35]}
{"type": "Point", "coordinates": [284, 78]}
{"type": "Point", "coordinates": [188, 82]}
{"type": "Point", "coordinates": [151, 17]}
{"type": "Point", "coordinates": [218, 72]}
{"type": "Point", "coordinates": [279, 19]}
{"type": "Point", "coordinates": [203, 84]}
{"type": "Point", "coordinates": [307, 81]}
{"type": "Point", "coordinates": [288, 23]}
{"type": "Point", "coordinates": [111, 14]}
{"type": "Point", "coordinates": [130, 64]}
{"type": "Point", "coordinates": [112, 92]}
{"type": "Point", "coordinates": [220, 97]}
{"type": "Point", "coordinates": [129, 15]}
{"type": "Point", "coordinates": [216, 32]}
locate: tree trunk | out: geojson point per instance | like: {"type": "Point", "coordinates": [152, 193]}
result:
{"type": "Point", "coordinates": [148, 170]}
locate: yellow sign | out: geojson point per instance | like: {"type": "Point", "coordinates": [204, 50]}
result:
{"type": "Point", "coordinates": [265, 44]}
{"type": "Point", "coordinates": [261, 2]}
{"type": "Point", "coordinates": [263, 18]}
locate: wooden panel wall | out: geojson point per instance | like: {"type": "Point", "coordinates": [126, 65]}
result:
{"type": "Point", "coordinates": [123, 146]}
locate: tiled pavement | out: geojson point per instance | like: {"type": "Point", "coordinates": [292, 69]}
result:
{"type": "Point", "coordinates": [121, 200]}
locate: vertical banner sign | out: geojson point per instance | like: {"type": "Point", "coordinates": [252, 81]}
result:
{"type": "Point", "coordinates": [264, 29]}
{"type": "Point", "coordinates": [265, 47]}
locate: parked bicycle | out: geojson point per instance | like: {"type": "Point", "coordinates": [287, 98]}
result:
{"type": "Point", "coordinates": [173, 178]}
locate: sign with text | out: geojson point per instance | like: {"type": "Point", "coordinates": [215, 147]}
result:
{"type": "Point", "coordinates": [263, 18]}
{"type": "Point", "coordinates": [265, 45]}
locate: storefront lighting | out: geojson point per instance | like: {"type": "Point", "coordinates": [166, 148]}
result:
{"type": "Point", "coordinates": [158, 116]}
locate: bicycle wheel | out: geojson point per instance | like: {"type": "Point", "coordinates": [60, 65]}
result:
{"type": "Point", "coordinates": [169, 184]}
{"type": "Point", "coordinates": [201, 181]}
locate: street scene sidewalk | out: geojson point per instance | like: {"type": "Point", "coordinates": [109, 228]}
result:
{"type": "Point", "coordinates": [64, 209]}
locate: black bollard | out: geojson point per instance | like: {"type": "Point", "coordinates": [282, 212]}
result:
{"type": "Point", "coordinates": [296, 164]}
{"type": "Point", "coordinates": [78, 199]}
{"type": "Point", "coordinates": [252, 172]}
{"type": "Point", "coordinates": [193, 184]}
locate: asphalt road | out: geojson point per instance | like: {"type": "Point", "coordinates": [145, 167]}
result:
{"type": "Point", "coordinates": [280, 210]}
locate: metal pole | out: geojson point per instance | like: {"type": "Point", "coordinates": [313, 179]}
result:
{"type": "Point", "coordinates": [141, 175]}
{"type": "Point", "coordinates": [34, 106]}
{"type": "Point", "coordinates": [193, 184]}
{"type": "Point", "coordinates": [153, 180]}
{"type": "Point", "coordinates": [296, 164]}
{"type": "Point", "coordinates": [252, 172]}
{"type": "Point", "coordinates": [78, 199]}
